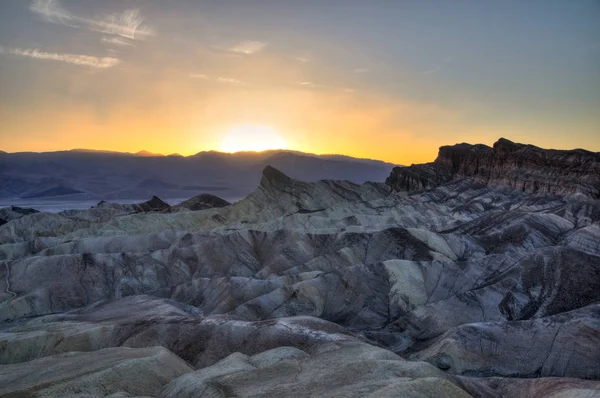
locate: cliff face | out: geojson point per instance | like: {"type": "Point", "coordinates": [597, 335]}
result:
{"type": "Point", "coordinates": [521, 167]}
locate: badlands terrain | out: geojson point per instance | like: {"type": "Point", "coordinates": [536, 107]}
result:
{"type": "Point", "coordinates": [475, 275]}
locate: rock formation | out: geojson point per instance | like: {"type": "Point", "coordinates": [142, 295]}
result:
{"type": "Point", "coordinates": [13, 212]}
{"type": "Point", "coordinates": [154, 204]}
{"type": "Point", "coordinates": [516, 166]}
{"type": "Point", "coordinates": [468, 287]}
{"type": "Point", "coordinates": [201, 202]}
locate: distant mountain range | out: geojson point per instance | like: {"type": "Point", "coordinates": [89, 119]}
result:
{"type": "Point", "coordinates": [83, 174]}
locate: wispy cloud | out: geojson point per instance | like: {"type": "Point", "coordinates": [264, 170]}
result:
{"type": "Point", "coordinates": [128, 24]}
{"type": "Point", "coordinates": [52, 11]}
{"type": "Point", "coordinates": [304, 57]}
{"type": "Point", "coordinates": [75, 59]}
{"type": "Point", "coordinates": [229, 80]}
{"type": "Point", "coordinates": [219, 79]}
{"type": "Point", "coordinates": [439, 67]}
{"type": "Point", "coordinates": [248, 47]}
{"type": "Point", "coordinates": [315, 86]}
{"type": "Point", "coordinates": [312, 85]}
{"type": "Point", "coordinates": [117, 41]}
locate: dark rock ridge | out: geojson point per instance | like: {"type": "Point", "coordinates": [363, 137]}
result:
{"type": "Point", "coordinates": [155, 204]}
{"type": "Point", "coordinates": [203, 202]}
{"type": "Point", "coordinates": [200, 202]}
{"type": "Point", "coordinates": [13, 212]}
{"type": "Point", "coordinates": [507, 164]}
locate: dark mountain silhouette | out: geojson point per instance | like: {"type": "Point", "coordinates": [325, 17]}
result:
{"type": "Point", "coordinates": [89, 174]}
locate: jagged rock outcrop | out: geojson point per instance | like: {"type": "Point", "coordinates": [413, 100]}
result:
{"type": "Point", "coordinates": [201, 202]}
{"type": "Point", "coordinates": [466, 280]}
{"type": "Point", "coordinates": [13, 212]}
{"type": "Point", "coordinates": [154, 204]}
{"type": "Point", "coordinates": [418, 177]}
{"type": "Point", "coordinates": [507, 164]}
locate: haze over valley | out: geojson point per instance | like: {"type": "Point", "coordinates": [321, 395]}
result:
{"type": "Point", "coordinates": [55, 180]}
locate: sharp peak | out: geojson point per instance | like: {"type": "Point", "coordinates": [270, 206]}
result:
{"type": "Point", "coordinates": [503, 140]}
{"type": "Point", "coordinates": [272, 173]}
{"type": "Point", "coordinates": [274, 177]}
{"type": "Point", "coordinates": [506, 143]}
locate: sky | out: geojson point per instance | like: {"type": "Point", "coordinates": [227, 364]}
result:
{"type": "Point", "coordinates": [381, 79]}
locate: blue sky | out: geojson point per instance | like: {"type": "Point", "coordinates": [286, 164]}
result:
{"type": "Point", "coordinates": [328, 76]}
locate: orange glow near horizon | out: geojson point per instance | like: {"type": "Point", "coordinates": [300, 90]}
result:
{"type": "Point", "coordinates": [171, 117]}
{"type": "Point", "coordinates": [226, 77]}
{"type": "Point", "coordinates": [252, 138]}
{"type": "Point", "coordinates": [362, 133]}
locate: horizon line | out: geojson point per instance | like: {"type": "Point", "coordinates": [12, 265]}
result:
{"type": "Point", "coordinates": [147, 154]}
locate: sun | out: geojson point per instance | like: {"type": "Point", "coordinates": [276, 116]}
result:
{"type": "Point", "coordinates": [252, 138]}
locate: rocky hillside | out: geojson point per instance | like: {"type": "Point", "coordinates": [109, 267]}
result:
{"type": "Point", "coordinates": [507, 164]}
{"type": "Point", "coordinates": [319, 289]}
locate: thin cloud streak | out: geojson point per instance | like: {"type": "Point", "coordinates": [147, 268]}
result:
{"type": "Point", "coordinates": [75, 59]}
{"type": "Point", "coordinates": [128, 24]}
{"type": "Point", "coordinates": [199, 76]}
{"type": "Point", "coordinates": [248, 47]}
{"type": "Point", "coordinates": [312, 85]}
{"type": "Point", "coordinates": [52, 11]}
{"type": "Point", "coordinates": [116, 41]}
{"type": "Point", "coordinates": [220, 79]}
{"type": "Point", "coordinates": [229, 80]}
{"type": "Point", "coordinates": [315, 86]}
